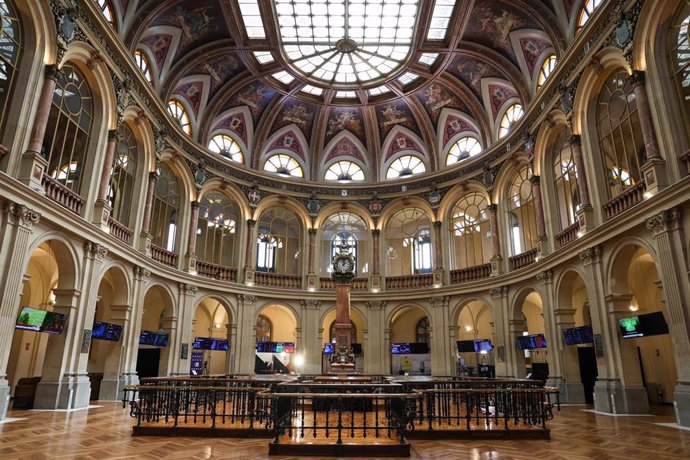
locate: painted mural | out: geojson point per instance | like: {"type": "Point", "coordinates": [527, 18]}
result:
{"type": "Point", "coordinates": [345, 148]}
{"type": "Point", "coordinates": [392, 114]}
{"type": "Point", "coordinates": [159, 45]}
{"type": "Point", "coordinates": [256, 96]}
{"type": "Point", "coordinates": [401, 142]}
{"type": "Point", "coordinates": [471, 71]}
{"type": "Point", "coordinates": [288, 141]}
{"type": "Point", "coordinates": [345, 118]}
{"type": "Point", "coordinates": [532, 49]}
{"type": "Point", "coordinates": [298, 112]}
{"type": "Point", "coordinates": [221, 69]}
{"type": "Point", "coordinates": [191, 92]}
{"type": "Point", "coordinates": [453, 126]}
{"type": "Point", "coordinates": [498, 95]}
{"type": "Point", "coordinates": [437, 96]}
{"type": "Point", "coordinates": [235, 123]}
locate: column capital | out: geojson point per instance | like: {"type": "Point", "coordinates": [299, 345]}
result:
{"type": "Point", "coordinates": [312, 232]}
{"type": "Point", "coordinates": [492, 208]}
{"type": "Point", "coordinates": [575, 140]}
{"type": "Point", "coordinates": [95, 251]}
{"type": "Point", "coordinates": [499, 292]}
{"type": "Point", "coordinates": [247, 299]}
{"type": "Point", "coordinates": [637, 78]}
{"type": "Point", "coordinates": [153, 176]}
{"type": "Point", "coordinates": [545, 277]}
{"type": "Point", "coordinates": [141, 274]}
{"type": "Point", "coordinates": [664, 221]}
{"type": "Point", "coordinates": [187, 289]}
{"type": "Point", "coordinates": [52, 72]}
{"type": "Point", "coordinates": [376, 231]}
{"type": "Point", "coordinates": [591, 255]}
{"type": "Point", "coordinates": [19, 214]}
{"type": "Point", "coordinates": [376, 305]}
{"type": "Point", "coordinates": [311, 304]}
{"type": "Point", "coordinates": [251, 222]}
{"type": "Point", "coordinates": [195, 204]}
{"type": "Point", "coordinates": [535, 180]}
{"type": "Point", "coordinates": [439, 301]}
{"type": "Point", "coordinates": [114, 135]}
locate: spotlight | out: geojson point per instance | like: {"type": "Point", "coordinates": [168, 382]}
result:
{"type": "Point", "coordinates": [299, 360]}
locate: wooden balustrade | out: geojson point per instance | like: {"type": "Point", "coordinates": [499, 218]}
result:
{"type": "Point", "coordinates": [215, 271]}
{"type": "Point", "coordinates": [409, 281]}
{"type": "Point", "coordinates": [625, 200]}
{"type": "Point", "coordinates": [62, 195]}
{"type": "Point", "coordinates": [163, 256]}
{"type": "Point", "coordinates": [568, 234]}
{"type": "Point", "coordinates": [477, 272]}
{"type": "Point", "coordinates": [524, 259]}
{"type": "Point", "coordinates": [278, 281]}
{"type": "Point", "coordinates": [358, 284]}
{"type": "Point", "coordinates": [119, 231]}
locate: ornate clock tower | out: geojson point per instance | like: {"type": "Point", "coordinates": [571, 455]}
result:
{"type": "Point", "coordinates": [343, 273]}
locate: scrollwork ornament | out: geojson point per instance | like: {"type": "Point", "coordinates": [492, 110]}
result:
{"type": "Point", "coordinates": [498, 292]}
{"type": "Point", "coordinates": [590, 255]}
{"type": "Point", "coordinates": [376, 304]}
{"type": "Point", "coordinates": [439, 301]}
{"type": "Point", "coordinates": [141, 273]}
{"type": "Point", "coordinates": [311, 304]}
{"type": "Point", "coordinates": [545, 277]}
{"type": "Point", "coordinates": [187, 289]}
{"type": "Point", "coordinates": [20, 215]}
{"type": "Point", "coordinates": [95, 251]}
{"type": "Point", "coordinates": [663, 222]}
{"type": "Point", "coordinates": [247, 299]}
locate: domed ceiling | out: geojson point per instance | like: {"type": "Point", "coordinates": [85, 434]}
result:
{"type": "Point", "coordinates": [355, 80]}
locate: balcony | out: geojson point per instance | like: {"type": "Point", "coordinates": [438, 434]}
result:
{"type": "Point", "coordinates": [358, 284]}
{"type": "Point", "coordinates": [626, 200]}
{"type": "Point", "coordinates": [409, 281]}
{"type": "Point", "coordinates": [524, 259]}
{"type": "Point", "coordinates": [164, 256]}
{"type": "Point", "coordinates": [215, 271]}
{"type": "Point", "coordinates": [119, 231]}
{"type": "Point", "coordinates": [275, 280]}
{"type": "Point", "coordinates": [463, 275]}
{"type": "Point", "coordinates": [568, 235]}
{"type": "Point", "coordinates": [62, 195]}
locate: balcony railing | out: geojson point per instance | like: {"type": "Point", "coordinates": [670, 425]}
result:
{"type": "Point", "coordinates": [568, 234]}
{"type": "Point", "coordinates": [62, 195]}
{"type": "Point", "coordinates": [625, 200]}
{"type": "Point", "coordinates": [477, 272]}
{"type": "Point", "coordinates": [278, 281]}
{"type": "Point", "coordinates": [163, 256]}
{"type": "Point", "coordinates": [119, 231]}
{"type": "Point", "coordinates": [358, 284]}
{"type": "Point", "coordinates": [524, 259]}
{"type": "Point", "coordinates": [409, 281]}
{"type": "Point", "coordinates": [215, 271]}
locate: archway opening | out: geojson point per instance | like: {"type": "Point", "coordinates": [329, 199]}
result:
{"type": "Point", "coordinates": [276, 337]}
{"type": "Point", "coordinates": [328, 337]}
{"type": "Point", "coordinates": [211, 350]}
{"type": "Point", "coordinates": [530, 340]}
{"type": "Point", "coordinates": [475, 350]}
{"type": "Point", "coordinates": [158, 327]}
{"type": "Point", "coordinates": [410, 342]}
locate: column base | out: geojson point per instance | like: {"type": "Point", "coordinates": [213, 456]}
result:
{"type": "Point", "coordinates": [611, 396]}
{"type": "Point", "coordinates": [145, 241]}
{"type": "Point", "coordinates": [655, 175]}
{"type": "Point", "coordinates": [4, 398]}
{"type": "Point", "coordinates": [101, 213]}
{"type": "Point", "coordinates": [585, 217]}
{"type": "Point", "coordinates": [31, 168]}
{"type": "Point", "coordinates": [496, 265]}
{"type": "Point", "coordinates": [572, 393]}
{"type": "Point", "coordinates": [69, 393]}
{"type": "Point", "coordinates": [681, 404]}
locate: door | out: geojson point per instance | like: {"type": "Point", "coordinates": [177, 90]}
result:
{"type": "Point", "coordinates": [588, 371]}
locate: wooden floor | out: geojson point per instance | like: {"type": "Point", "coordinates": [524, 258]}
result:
{"type": "Point", "coordinates": [105, 433]}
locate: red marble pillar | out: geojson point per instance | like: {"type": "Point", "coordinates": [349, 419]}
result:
{"type": "Point", "coordinates": [495, 241]}
{"type": "Point", "coordinates": [438, 254]}
{"type": "Point", "coordinates": [538, 205]}
{"type": "Point", "coordinates": [38, 130]}
{"type": "Point", "coordinates": [148, 206]}
{"type": "Point", "coordinates": [645, 113]}
{"type": "Point", "coordinates": [193, 224]}
{"type": "Point", "coordinates": [581, 172]}
{"type": "Point", "coordinates": [312, 250]}
{"type": "Point", "coordinates": [107, 172]}
{"type": "Point", "coordinates": [376, 259]}
{"type": "Point", "coordinates": [248, 255]}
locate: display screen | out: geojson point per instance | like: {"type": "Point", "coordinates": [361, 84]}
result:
{"type": "Point", "coordinates": [106, 331]}
{"type": "Point", "coordinates": [416, 348]}
{"type": "Point", "coordinates": [33, 319]}
{"type": "Point", "coordinates": [400, 349]}
{"type": "Point", "coordinates": [643, 325]}
{"type": "Point", "coordinates": [328, 348]}
{"type": "Point", "coordinates": [577, 335]}
{"type": "Point", "coordinates": [147, 338]}
{"type": "Point", "coordinates": [357, 348]}
{"type": "Point", "coordinates": [483, 345]}
{"type": "Point", "coordinates": [208, 343]}
{"type": "Point", "coordinates": [161, 339]}
{"type": "Point", "coordinates": [530, 342]}
{"type": "Point", "coordinates": [275, 347]}
{"type": "Point", "coordinates": [465, 346]}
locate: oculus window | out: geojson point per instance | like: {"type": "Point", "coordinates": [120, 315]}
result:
{"type": "Point", "coordinates": [345, 171]}
{"type": "Point", "coordinates": [284, 165]}
{"type": "Point", "coordinates": [405, 166]}
{"type": "Point", "coordinates": [226, 147]}
{"type": "Point", "coordinates": [464, 148]}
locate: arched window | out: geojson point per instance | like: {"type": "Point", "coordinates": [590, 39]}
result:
{"type": "Point", "coordinates": [680, 57]}
{"type": "Point", "coordinates": [120, 192]}
{"type": "Point", "coordinates": [522, 218]}
{"type": "Point", "coordinates": [279, 242]}
{"type": "Point", "coordinates": [350, 227]}
{"type": "Point", "coordinates": [69, 124]}
{"type": "Point", "coordinates": [143, 63]}
{"type": "Point", "coordinates": [226, 147]}
{"type": "Point", "coordinates": [107, 10]}
{"type": "Point", "coordinates": [620, 136]}
{"type": "Point", "coordinates": [546, 69]}
{"type": "Point", "coordinates": [405, 166]}
{"type": "Point", "coordinates": [408, 238]}
{"type": "Point", "coordinates": [284, 165]}
{"type": "Point", "coordinates": [264, 329]}
{"type": "Point", "coordinates": [345, 171]}
{"type": "Point", "coordinates": [10, 46]}
{"type": "Point", "coordinates": [470, 227]}
{"type": "Point", "coordinates": [217, 229]}
{"type": "Point", "coordinates": [587, 11]}
{"type": "Point", "coordinates": [353, 332]}
{"type": "Point", "coordinates": [565, 181]}
{"type": "Point", "coordinates": [165, 212]}
{"type": "Point", "coordinates": [422, 330]}
{"type": "Point", "coordinates": [178, 112]}
{"type": "Point", "coordinates": [513, 114]}
{"type": "Point", "coordinates": [464, 148]}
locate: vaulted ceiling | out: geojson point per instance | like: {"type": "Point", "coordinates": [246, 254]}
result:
{"type": "Point", "coordinates": [490, 57]}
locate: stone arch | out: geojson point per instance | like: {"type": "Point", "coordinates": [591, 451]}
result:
{"type": "Point", "coordinates": [462, 303]}
{"type": "Point", "coordinates": [619, 259]}
{"type": "Point", "coordinates": [226, 304]}
{"type": "Point", "coordinates": [231, 191]}
{"type": "Point", "coordinates": [249, 128]}
{"type": "Point", "coordinates": [167, 294]}
{"type": "Point", "coordinates": [66, 252]}
{"type": "Point", "coordinates": [471, 130]}
{"type": "Point", "coordinates": [355, 208]}
{"type": "Point", "coordinates": [453, 195]}
{"type": "Point", "coordinates": [545, 136]}
{"type": "Point", "coordinates": [121, 275]}
{"type": "Point", "coordinates": [286, 202]}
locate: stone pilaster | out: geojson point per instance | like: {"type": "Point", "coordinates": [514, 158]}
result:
{"type": "Point", "coordinates": [131, 332]}
{"type": "Point", "coordinates": [504, 351]}
{"type": "Point", "coordinates": [187, 309]}
{"type": "Point", "coordinates": [113, 381]}
{"type": "Point", "coordinates": [442, 353]}
{"type": "Point", "coordinates": [310, 347]}
{"type": "Point", "coordinates": [246, 334]}
{"type": "Point", "coordinates": [375, 350]}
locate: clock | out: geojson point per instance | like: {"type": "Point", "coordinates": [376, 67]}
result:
{"type": "Point", "coordinates": [344, 264]}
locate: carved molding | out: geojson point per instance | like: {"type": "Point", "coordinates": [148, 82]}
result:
{"type": "Point", "coordinates": [439, 301]}
{"type": "Point", "coordinates": [18, 214]}
{"type": "Point", "coordinates": [247, 299]}
{"type": "Point", "coordinates": [663, 222]}
{"type": "Point", "coordinates": [311, 304]}
{"type": "Point", "coordinates": [376, 304]}
{"type": "Point", "coordinates": [591, 255]}
{"type": "Point", "coordinates": [95, 250]}
{"type": "Point", "coordinates": [187, 289]}
{"type": "Point", "coordinates": [545, 277]}
{"type": "Point", "coordinates": [499, 292]}
{"type": "Point", "coordinates": [140, 273]}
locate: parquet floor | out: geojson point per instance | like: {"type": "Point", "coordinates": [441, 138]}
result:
{"type": "Point", "coordinates": [105, 433]}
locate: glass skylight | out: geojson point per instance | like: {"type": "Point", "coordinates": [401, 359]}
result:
{"type": "Point", "coordinates": [264, 57]}
{"type": "Point", "coordinates": [408, 77]}
{"type": "Point", "coordinates": [428, 58]}
{"type": "Point", "coordinates": [443, 10]}
{"type": "Point", "coordinates": [283, 77]}
{"type": "Point", "coordinates": [251, 16]}
{"type": "Point", "coordinates": [312, 90]}
{"type": "Point", "coordinates": [345, 94]}
{"type": "Point", "coordinates": [379, 90]}
{"type": "Point", "coordinates": [346, 41]}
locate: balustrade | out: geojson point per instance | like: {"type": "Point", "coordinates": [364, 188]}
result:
{"type": "Point", "coordinates": [477, 272]}
{"type": "Point", "coordinates": [568, 234]}
{"type": "Point", "coordinates": [119, 231]}
{"type": "Point", "coordinates": [278, 281]}
{"type": "Point", "coordinates": [216, 271]}
{"type": "Point", "coordinates": [163, 256]}
{"type": "Point", "coordinates": [62, 195]}
{"type": "Point", "coordinates": [524, 259]}
{"type": "Point", "coordinates": [409, 281]}
{"type": "Point", "coordinates": [358, 284]}
{"type": "Point", "coordinates": [625, 200]}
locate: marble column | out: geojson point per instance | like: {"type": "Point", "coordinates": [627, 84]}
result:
{"type": "Point", "coordinates": [442, 353]}
{"type": "Point", "coordinates": [102, 207]}
{"type": "Point", "coordinates": [18, 225]}
{"type": "Point", "coordinates": [185, 325]}
{"type": "Point", "coordinates": [245, 351]}
{"type": "Point", "coordinates": [132, 330]}
{"type": "Point", "coordinates": [375, 276]}
{"type": "Point", "coordinates": [553, 334]}
{"type": "Point", "coordinates": [541, 222]}
{"type": "Point", "coordinates": [249, 262]}
{"type": "Point", "coordinates": [375, 348]}
{"type": "Point", "coordinates": [310, 348]}
{"type": "Point", "coordinates": [191, 237]}
{"type": "Point", "coordinates": [146, 238]}
{"type": "Point", "coordinates": [230, 354]}
{"type": "Point", "coordinates": [496, 259]}
{"type": "Point", "coordinates": [311, 275]}
{"type": "Point", "coordinates": [673, 271]}
{"type": "Point", "coordinates": [504, 346]}
{"type": "Point", "coordinates": [585, 213]}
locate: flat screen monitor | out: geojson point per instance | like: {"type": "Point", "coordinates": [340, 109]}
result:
{"type": "Point", "coordinates": [288, 347]}
{"type": "Point", "coordinates": [106, 331]}
{"type": "Point", "coordinates": [523, 342]}
{"type": "Point", "coordinates": [147, 338]}
{"type": "Point", "coordinates": [161, 339]}
{"type": "Point", "coordinates": [643, 325]}
{"type": "Point", "coordinates": [203, 343]}
{"type": "Point", "coordinates": [328, 348]}
{"type": "Point", "coordinates": [222, 345]}
{"type": "Point", "coordinates": [537, 341]}
{"type": "Point", "coordinates": [263, 347]}
{"type": "Point", "coordinates": [465, 346]}
{"type": "Point", "coordinates": [54, 323]}
{"type": "Point", "coordinates": [400, 349]}
{"type": "Point", "coordinates": [30, 319]}
{"type": "Point", "coordinates": [483, 346]}
{"type": "Point", "coordinates": [578, 335]}
{"type": "Point", "coordinates": [357, 348]}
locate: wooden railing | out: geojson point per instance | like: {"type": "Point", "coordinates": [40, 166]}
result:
{"type": "Point", "coordinates": [215, 271]}
{"type": "Point", "coordinates": [62, 195]}
{"type": "Point", "coordinates": [409, 281]}
{"type": "Point", "coordinates": [119, 231]}
{"type": "Point", "coordinates": [625, 200]}
{"type": "Point", "coordinates": [163, 256]}
{"type": "Point", "coordinates": [477, 272]}
{"type": "Point", "coordinates": [278, 281]}
{"type": "Point", "coordinates": [524, 259]}
{"type": "Point", "coordinates": [568, 234]}
{"type": "Point", "coordinates": [358, 284]}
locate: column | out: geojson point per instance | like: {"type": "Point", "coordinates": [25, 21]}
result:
{"type": "Point", "coordinates": [168, 357]}
{"type": "Point", "coordinates": [539, 208]}
{"type": "Point", "coordinates": [438, 255]}
{"type": "Point", "coordinates": [146, 238]}
{"type": "Point", "coordinates": [504, 344]}
{"type": "Point", "coordinates": [191, 237]}
{"type": "Point", "coordinates": [102, 207]}
{"type": "Point", "coordinates": [131, 332]}
{"type": "Point", "coordinates": [375, 277]}
{"type": "Point", "coordinates": [185, 325]}
{"type": "Point", "coordinates": [585, 213]}
{"type": "Point", "coordinates": [18, 225]}
{"type": "Point", "coordinates": [33, 164]}
{"type": "Point", "coordinates": [311, 275]}
{"type": "Point", "coordinates": [249, 262]}
{"type": "Point", "coordinates": [665, 227]}
{"type": "Point", "coordinates": [375, 349]}
{"type": "Point", "coordinates": [552, 333]}
{"type": "Point", "coordinates": [442, 354]}
{"type": "Point", "coordinates": [230, 354]}
{"type": "Point", "coordinates": [245, 350]}
{"type": "Point", "coordinates": [654, 169]}
{"type": "Point", "coordinates": [113, 381]}
{"type": "Point", "coordinates": [496, 260]}
{"type": "Point", "coordinates": [310, 347]}
{"type": "Point", "coordinates": [572, 391]}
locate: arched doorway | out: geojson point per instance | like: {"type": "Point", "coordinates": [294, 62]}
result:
{"type": "Point", "coordinates": [475, 350]}
{"type": "Point", "coordinates": [356, 338]}
{"type": "Point", "coordinates": [276, 338]}
{"type": "Point", "coordinates": [158, 327]}
{"type": "Point", "coordinates": [527, 330]}
{"type": "Point", "coordinates": [212, 346]}
{"type": "Point", "coordinates": [410, 341]}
